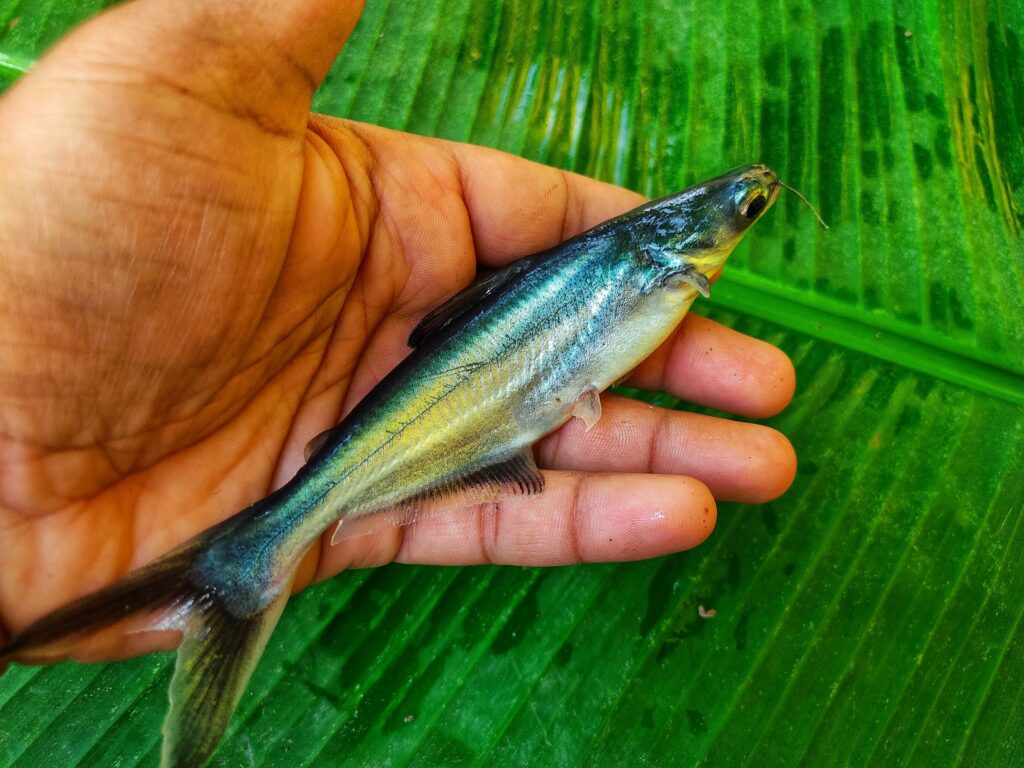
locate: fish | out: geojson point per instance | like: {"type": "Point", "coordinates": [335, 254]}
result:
{"type": "Point", "coordinates": [501, 364]}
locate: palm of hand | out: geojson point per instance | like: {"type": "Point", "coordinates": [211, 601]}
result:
{"type": "Point", "coordinates": [223, 279]}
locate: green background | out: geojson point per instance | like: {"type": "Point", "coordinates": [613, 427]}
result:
{"type": "Point", "coordinates": [872, 616]}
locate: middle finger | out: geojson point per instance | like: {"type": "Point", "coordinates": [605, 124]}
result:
{"type": "Point", "coordinates": [707, 363]}
{"type": "Point", "coordinates": [738, 461]}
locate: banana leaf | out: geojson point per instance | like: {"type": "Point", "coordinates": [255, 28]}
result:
{"type": "Point", "coordinates": [874, 615]}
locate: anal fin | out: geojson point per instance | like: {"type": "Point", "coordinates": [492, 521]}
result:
{"type": "Point", "coordinates": [517, 473]}
{"type": "Point", "coordinates": [510, 475]}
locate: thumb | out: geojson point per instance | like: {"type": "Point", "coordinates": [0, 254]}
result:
{"type": "Point", "coordinates": [260, 59]}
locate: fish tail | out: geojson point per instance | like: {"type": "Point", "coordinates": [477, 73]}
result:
{"type": "Point", "coordinates": [215, 661]}
{"type": "Point", "coordinates": [217, 655]}
{"type": "Point", "coordinates": [150, 589]}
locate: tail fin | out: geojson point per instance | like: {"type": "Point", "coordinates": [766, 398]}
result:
{"type": "Point", "coordinates": [159, 585]}
{"type": "Point", "coordinates": [215, 661]}
{"type": "Point", "coordinates": [218, 653]}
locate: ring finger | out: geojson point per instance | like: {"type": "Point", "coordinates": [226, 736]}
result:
{"type": "Point", "coordinates": [738, 461]}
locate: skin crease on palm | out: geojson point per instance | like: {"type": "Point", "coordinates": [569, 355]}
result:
{"type": "Point", "coordinates": [198, 276]}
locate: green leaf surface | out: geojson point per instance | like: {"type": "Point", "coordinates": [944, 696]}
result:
{"type": "Point", "coordinates": [873, 615]}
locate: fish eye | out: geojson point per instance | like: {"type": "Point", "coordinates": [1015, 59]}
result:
{"type": "Point", "coordinates": [755, 206]}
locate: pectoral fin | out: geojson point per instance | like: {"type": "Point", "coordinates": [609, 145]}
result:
{"type": "Point", "coordinates": [588, 407]}
{"type": "Point", "coordinates": [695, 279]}
{"type": "Point", "coordinates": [509, 475]}
{"type": "Point", "coordinates": [215, 660]}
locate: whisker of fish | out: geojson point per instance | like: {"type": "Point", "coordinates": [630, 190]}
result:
{"type": "Point", "coordinates": [805, 202]}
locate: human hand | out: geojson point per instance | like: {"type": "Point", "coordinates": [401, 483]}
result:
{"type": "Point", "coordinates": [198, 277]}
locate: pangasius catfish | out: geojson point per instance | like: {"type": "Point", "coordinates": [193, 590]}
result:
{"type": "Point", "coordinates": [498, 366]}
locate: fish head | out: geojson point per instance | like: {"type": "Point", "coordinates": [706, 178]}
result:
{"type": "Point", "coordinates": [693, 232]}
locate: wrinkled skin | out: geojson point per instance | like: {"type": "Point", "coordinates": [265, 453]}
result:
{"type": "Point", "coordinates": [197, 276]}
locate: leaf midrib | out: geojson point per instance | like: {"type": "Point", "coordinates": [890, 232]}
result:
{"type": "Point", "coordinates": [878, 336]}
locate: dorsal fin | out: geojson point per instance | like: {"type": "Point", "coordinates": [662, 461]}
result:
{"type": "Point", "coordinates": [511, 475]}
{"type": "Point", "coordinates": [465, 300]}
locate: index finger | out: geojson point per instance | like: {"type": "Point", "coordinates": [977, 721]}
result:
{"type": "Point", "coordinates": [707, 363]}
{"type": "Point", "coordinates": [517, 207]}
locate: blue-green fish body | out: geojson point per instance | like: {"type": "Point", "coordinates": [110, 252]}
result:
{"type": "Point", "coordinates": [500, 365]}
